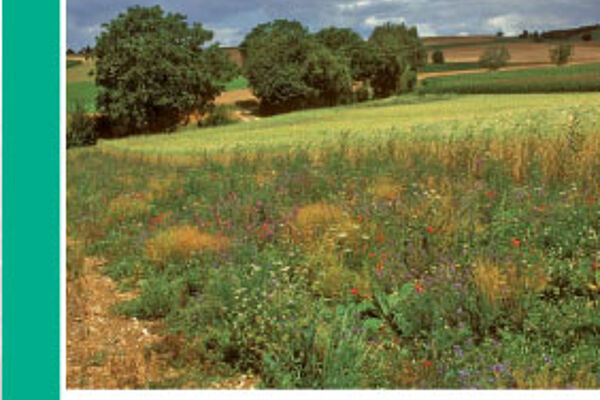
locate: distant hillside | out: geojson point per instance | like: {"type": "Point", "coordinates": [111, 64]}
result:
{"type": "Point", "coordinates": [574, 33]}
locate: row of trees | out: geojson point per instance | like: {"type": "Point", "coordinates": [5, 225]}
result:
{"type": "Point", "coordinates": [154, 69]}
{"type": "Point", "coordinates": [288, 67]}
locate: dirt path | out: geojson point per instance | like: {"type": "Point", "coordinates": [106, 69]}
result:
{"type": "Point", "coordinates": [104, 350]}
{"type": "Point", "coordinates": [108, 351]}
{"type": "Point", "coordinates": [236, 96]}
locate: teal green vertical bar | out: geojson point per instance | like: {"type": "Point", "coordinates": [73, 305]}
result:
{"type": "Point", "coordinates": [31, 33]}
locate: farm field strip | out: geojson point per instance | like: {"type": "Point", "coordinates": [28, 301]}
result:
{"type": "Point", "coordinates": [570, 78]}
{"type": "Point", "coordinates": [401, 118]}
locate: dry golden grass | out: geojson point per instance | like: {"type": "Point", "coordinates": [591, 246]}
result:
{"type": "Point", "coordinates": [386, 189]}
{"type": "Point", "coordinates": [501, 285]}
{"type": "Point", "coordinates": [163, 187]}
{"type": "Point", "coordinates": [182, 242]}
{"type": "Point", "coordinates": [129, 205]}
{"type": "Point", "coordinates": [313, 219]}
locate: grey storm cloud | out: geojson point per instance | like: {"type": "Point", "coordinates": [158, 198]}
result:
{"type": "Point", "coordinates": [231, 20]}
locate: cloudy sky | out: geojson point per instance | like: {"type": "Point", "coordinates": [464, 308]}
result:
{"type": "Point", "coordinates": [230, 20]}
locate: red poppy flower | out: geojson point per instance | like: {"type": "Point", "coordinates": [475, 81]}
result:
{"type": "Point", "coordinates": [594, 265]}
{"type": "Point", "coordinates": [371, 255]}
{"type": "Point", "coordinates": [430, 229]}
{"type": "Point", "coordinates": [591, 200]}
{"type": "Point", "coordinates": [354, 291]}
{"type": "Point", "coordinates": [491, 194]}
{"type": "Point", "coordinates": [208, 223]}
{"type": "Point", "coordinates": [419, 288]}
{"type": "Point", "coordinates": [151, 228]}
{"type": "Point", "coordinates": [427, 364]}
{"type": "Point", "coordinates": [359, 218]}
{"type": "Point", "coordinates": [516, 242]}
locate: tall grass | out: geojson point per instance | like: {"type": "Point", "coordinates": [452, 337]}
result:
{"type": "Point", "coordinates": [453, 261]}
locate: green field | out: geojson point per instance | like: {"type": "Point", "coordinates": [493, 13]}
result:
{"type": "Point", "coordinates": [570, 78]}
{"type": "Point", "coordinates": [433, 242]}
{"type": "Point", "coordinates": [450, 66]}
{"type": "Point", "coordinates": [407, 118]}
{"type": "Point", "coordinates": [73, 63]}
{"type": "Point", "coordinates": [238, 83]}
{"type": "Point", "coordinates": [83, 93]}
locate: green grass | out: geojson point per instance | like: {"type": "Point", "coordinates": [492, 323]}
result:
{"type": "Point", "coordinates": [73, 63]}
{"type": "Point", "coordinates": [575, 78]}
{"type": "Point", "coordinates": [81, 92]}
{"type": "Point", "coordinates": [450, 66]}
{"type": "Point", "coordinates": [238, 83]}
{"type": "Point", "coordinates": [370, 124]}
{"type": "Point", "coordinates": [81, 72]}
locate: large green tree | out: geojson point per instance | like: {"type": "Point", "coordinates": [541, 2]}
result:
{"type": "Point", "coordinates": [396, 54]}
{"type": "Point", "coordinates": [153, 70]}
{"type": "Point", "coordinates": [289, 68]}
{"type": "Point", "coordinates": [345, 42]}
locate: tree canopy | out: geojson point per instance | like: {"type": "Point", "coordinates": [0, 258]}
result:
{"type": "Point", "coordinates": [153, 70]}
{"type": "Point", "coordinates": [396, 54]}
{"type": "Point", "coordinates": [289, 68]}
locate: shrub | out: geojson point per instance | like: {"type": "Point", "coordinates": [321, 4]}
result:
{"type": "Point", "coordinates": [586, 37]}
{"type": "Point", "coordinates": [561, 54]}
{"type": "Point", "coordinates": [153, 70]}
{"type": "Point", "coordinates": [219, 115]}
{"type": "Point", "coordinates": [82, 129]}
{"type": "Point", "coordinates": [437, 57]}
{"type": "Point", "coordinates": [494, 57]}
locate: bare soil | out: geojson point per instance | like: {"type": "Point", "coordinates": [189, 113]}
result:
{"type": "Point", "coordinates": [105, 350]}
{"type": "Point", "coordinates": [526, 52]}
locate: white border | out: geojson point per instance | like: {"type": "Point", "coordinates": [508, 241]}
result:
{"type": "Point", "coordinates": [63, 198]}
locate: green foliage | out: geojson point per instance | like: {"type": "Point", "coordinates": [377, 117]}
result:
{"type": "Point", "coordinates": [396, 53]}
{"type": "Point", "coordinates": [82, 128]}
{"type": "Point", "coordinates": [288, 68]}
{"type": "Point", "coordinates": [575, 78]}
{"type": "Point", "coordinates": [494, 57]}
{"type": "Point", "coordinates": [153, 70]}
{"type": "Point", "coordinates": [348, 44]}
{"type": "Point", "coordinates": [437, 57]}
{"type": "Point", "coordinates": [561, 54]}
{"type": "Point", "coordinates": [218, 115]}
